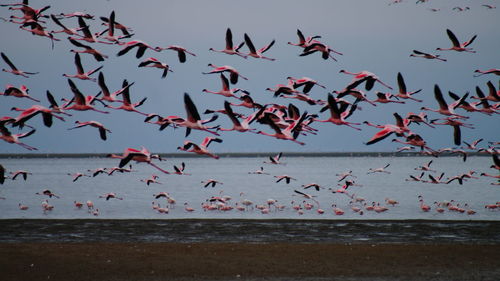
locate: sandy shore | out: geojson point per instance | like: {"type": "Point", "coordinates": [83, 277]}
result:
{"type": "Point", "coordinates": [216, 261]}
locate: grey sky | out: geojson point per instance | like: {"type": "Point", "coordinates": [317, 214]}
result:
{"type": "Point", "coordinates": [373, 36]}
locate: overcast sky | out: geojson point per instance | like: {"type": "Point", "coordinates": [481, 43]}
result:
{"type": "Point", "coordinates": [372, 35]}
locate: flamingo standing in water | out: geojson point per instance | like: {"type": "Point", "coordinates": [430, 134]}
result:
{"type": "Point", "coordinates": [81, 74]}
{"type": "Point", "coordinates": [257, 53]}
{"type": "Point", "coordinates": [143, 155]}
{"type": "Point", "coordinates": [457, 46]}
{"type": "Point", "coordinates": [230, 49]}
{"type": "Point", "coordinates": [13, 69]}
{"type": "Point", "coordinates": [95, 124]}
{"type": "Point", "coordinates": [202, 148]}
{"type": "Point", "coordinates": [233, 73]}
{"type": "Point", "coordinates": [226, 90]}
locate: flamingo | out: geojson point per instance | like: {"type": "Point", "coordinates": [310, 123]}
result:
{"type": "Point", "coordinates": [287, 89]}
{"type": "Point", "coordinates": [315, 185]}
{"type": "Point", "coordinates": [386, 98]}
{"type": "Point", "coordinates": [87, 35]}
{"type": "Point", "coordinates": [415, 178]}
{"type": "Point", "coordinates": [495, 71]}
{"type": "Point", "coordinates": [22, 173]}
{"type": "Point", "coordinates": [418, 118]}
{"type": "Point", "coordinates": [233, 73]}
{"type": "Point", "coordinates": [110, 195]}
{"type": "Point", "coordinates": [403, 93]}
{"type": "Point", "coordinates": [180, 170]}
{"type": "Point", "coordinates": [125, 30]}
{"type": "Point", "coordinates": [181, 52]}
{"type": "Point", "coordinates": [110, 36]}
{"type": "Point", "coordinates": [379, 170]}
{"type": "Point", "coordinates": [229, 49]}
{"type": "Point", "coordinates": [47, 193]}
{"type": "Point", "coordinates": [306, 196]}
{"type": "Point", "coordinates": [456, 124]}
{"type": "Point", "coordinates": [426, 167]}
{"type": "Point", "coordinates": [95, 124]}
{"type": "Point", "coordinates": [141, 48]}
{"type": "Point", "coordinates": [420, 54]}
{"type": "Point", "coordinates": [54, 106]}
{"type": "Point", "coordinates": [344, 175]}
{"type": "Point", "coordinates": [287, 178]}
{"type": "Point", "coordinates": [247, 101]}
{"type": "Point", "coordinates": [257, 53]}
{"type": "Point", "coordinates": [82, 102]}
{"type": "Point", "coordinates": [143, 155]}
{"type": "Point", "coordinates": [187, 208]}
{"type": "Point", "coordinates": [98, 56]}
{"type": "Point", "coordinates": [316, 46]}
{"type": "Point", "coordinates": [226, 90]}
{"type": "Point", "coordinates": [307, 82]}
{"type": "Point", "coordinates": [29, 113]}
{"type": "Point", "coordinates": [243, 126]}
{"type": "Point", "coordinates": [37, 29]}
{"type": "Point", "coordinates": [275, 159]}
{"type": "Point", "coordinates": [151, 180]}
{"type": "Point", "coordinates": [211, 182]}
{"type": "Point", "coordinates": [107, 95]}
{"type": "Point", "coordinates": [97, 171]}
{"type": "Point", "coordinates": [303, 41]}
{"type": "Point", "coordinates": [338, 114]}
{"type": "Point", "coordinates": [496, 162]}
{"type": "Point", "coordinates": [69, 31]}
{"type": "Point", "coordinates": [415, 140]}
{"type": "Point", "coordinates": [444, 108]}
{"type": "Point", "coordinates": [202, 148]}
{"type": "Point", "coordinates": [21, 92]}
{"type": "Point", "coordinates": [486, 108]}
{"type": "Point", "coordinates": [489, 6]}
{"type": "Point", "coordinates": [77, 14]}
{"type": "Point", "coordinates": [81, 74]}
{"type": "Point", "coordinates": [493, 95]}
{"type": "Point", "coordinates": [399, 129]}
{"type": "Point", "coordinates": [289, 133]}
{"type": "Point", "coordinates": [367, 76]}
{"type": "Point", "coordinates": [193, 120]}
{"type": "Point", "coordinates": [460, 9]}
{"type": "Point", "coordinates": [14, 138]}
{"type": "Point", "coordinates": [457, 46]}
{"type": "Point", "coordinates": [259, 172]}
{"type": "Point", "coordinates": [127, 103]}
{"type": "Point", "coordinates": [23, 207]}
{"type": "Point", "coordinates": [76, 176]}
{"type": "Point", "coordinates": [152, 62]}
{"type": "Point", "coordinates": [13, 69]}
{"type": "Point", "coordinates": [424, 207]}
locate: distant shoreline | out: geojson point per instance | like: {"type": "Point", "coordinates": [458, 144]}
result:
{"type": "Point", "coordinates": [238, 154]}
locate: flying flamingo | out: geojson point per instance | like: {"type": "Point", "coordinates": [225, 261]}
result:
{"type": "Point", "coordinates": [69, 31]}
{"type": "Point", "coordinates": [37, 29]}
{"type": "Point", "coordinates": [21, 92]}
{"type": "Point", "coordinates": [125, 30]}
{"type": "Point", "coordinates": [127, 103]}
{"type": "Point", "coordinates": [87, 35]}
{"type": "Point", "coordinates": [76, 176]}
{"type": "Point", "coordinates": [420, 54]}
{"type": "Point", "coordinates": [152, 179]}
{"type": "Point", "coordinates": [495, 71]}
{"type": "Point", "coordinates": [287, 178]}
{"type": "Point", "coordinates": [289, 133]}
{"type": "Point", "coordinates": [369, 77]}
{"type": "Point", "coordinates": [107, 95]}
{"type": "Point", "coordinates": [315, 185]}
{"type": "Point", "coordinates": [426, 167]}
{"type": "Point", "coordinates": [229, 49]}
{"type": "Point", "coordinates": [415, 178]}
{"type": "Point", "coordinates": [142, 155]}
{"type": "Point", "coordinates": [48, 193]}
{"type": "Point", "coordinates": [259, 172]}
{"type": "Point", "coordinates": [110, 195]}
{"type": "Point", "coordinates": [303, 41]}
{"type": "Point", "coordinates": [81, 74]}
{"type": "Point", "coordinates": [226, 90]}
{"type": "Point", "coordinates": [316, 46]}
{"type": "Point", "coordinates": [34, 110]}
{"type": "Point", "coordinates": [180, 170]}
{"type": "Point", "coordinates": [399, 129]}
{"type": "Point", "coordinates": [457, 46]}
{"type": "Point", "coordinates": [202, 148]}
{"type": "Point", "coordinates": [95, 124]}
{"type": "Point", "coordinates": [141, 48]}
{"type": "Point", "coordinates": [22, 173]}
{"type": "Point", "coordinates": [379, 170]}
{"type": "Point", "coordinates": [386, 98]}
{"type": "Point", "coordinates": [14, 138]}
{"type": "Point", "coordinates": [307, 196]}
{"type": "Point", "coordinates": [98, 56]}
{"type": "Point", "coordinates": [110, 35]}
{"type": "Point", "coordinates": [82, 103]}
{"type": "Point", "coordinates": [444, 108]}
{"type": "Point", "coordinates": [247, 101]}
{"type": "Point", "coordinates": [181, 52]}
{"type": "Point", "coordinates": [307, 82]}
{"type": "Point", "coordinates": [493, 94]}
{"type": "Point", "coordinates": [152, 62]}
{"type": "Point", "coordinates": [240, 126]}
{"type": "Point", "coordinates": [257, 53]}
{"type": "Point", "coordinates": [211, 182]}
{"type": "Point", "coordinates": [13, 68]}
{"type": "Point", "coordinates": [338, 114]}
{"type": "Point", "coordinates": [275, 159]}
{"type": "Point", "coordinates": [233, 73]}
{"type": "Point", "coordinates": [193, 120]}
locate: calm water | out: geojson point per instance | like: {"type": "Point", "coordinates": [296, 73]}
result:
{"type": "Point", "coordinates": [137, 200]}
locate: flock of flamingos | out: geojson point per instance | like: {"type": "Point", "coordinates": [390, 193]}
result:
{"type": "Point", "coordinates": [280, 121]}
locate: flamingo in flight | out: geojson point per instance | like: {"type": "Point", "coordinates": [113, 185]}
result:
{"type": "Point", "coordinates": [95, 124]}
{"type": "Point", "coordinates": [226, 90]}
{"type": "Point", "coordinates": [125, 30]}
{"type": "Point", "coordinates": [403, 92]}
{"type": "Point", "coordinates": [444, 108]}
{"type": "Point", "coordinates": [257, 53]}
{"type": "Point", "coordinates": [303, 41]}
{"type": "Point", "coordinates": [379, 170]}
{"type": "Point", "coordinates": [457, 46]}
{"type": "Point", "coordinates": [338, 114]}
{"type": "Point", "coordinates": [152, 62]}
{"type": "Point", "coordinates": [420, 54]}
{"type": "Point", "coordinates": [399, 129]}
{"type": "Point", "coordinates": [201, 149]}
{"type": "Point", "coordinates": [494, 71]}
{"type": "Point", "coordinates": [213, 183]}
{"type": "Point", "coordinates": [143, 155]}
{"type": "Point", "coordinates": [287, 178]}
{"type": "Point", "coordinates": [247, 101]}
{"type": "Point", "coordinates": [193, 120]}
{"type": "Point", "coordinates": [289, 133]}
{"type": "Point", "coordinates": [366, 76]}
{"type": "Point", "coordinates": [179, 170]}
{"type": "Point", "coordinates": [107, 95]}
{"type": "Point", "coordinates": [317, 46]}
{"type": "Point", "coordinates": [81, 74]}
{"type": "Point", "coordinates": [82, 102]}
{"type": "Point", "coordinates": [37, 29]}
{"type": "Point", "coordinates": [13, 69]}
{"type": "Point", "coordinates": [21, 92]}
{"type": "Point", "coordinates": [29, 113]}
{"type": "Point", "coordinates": [181, 52]}
{"type": "Point", "coordinates": [127, 103]}
{"type": "Point", "coordinates": [88, 50]}
{"type": "Point", "coordinates": [307, 82]}
{"type": "Point", "coordinates": [14, 138]}
{"type": "Point", "coordinates": [110, 36]}
{"type": "Point", "coordinates": [110, 195]}
{"type": "Point", "coordinates": [69, 31]}
{"type": "Point", "coordinates": [141, 48]}
{"type": "Point", "coordinates": [240, 126]}
{"type": "Point", "coordinates": [230, 49]}
{"type": "Point", "coordinates": [87, 35]}
{"type": "Point", "coordinates": [77, 14]}
{"type": "Point", "coordinates": [20, 173]}
{"type": "Point", "coordinates": [233, 73]}
{"type": "Point", "coordinates": [275, 159]}
{"type": "Point", "coordinates": [259, 172]}
{"type": "Point", "coordinates": [493, 94]}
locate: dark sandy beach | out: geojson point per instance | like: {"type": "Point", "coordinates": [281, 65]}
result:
{"type": "Point", "coordinates": [246, 261]}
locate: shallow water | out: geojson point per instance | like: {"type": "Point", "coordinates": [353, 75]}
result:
{"type": "Point", "coordinates": [51, 173]}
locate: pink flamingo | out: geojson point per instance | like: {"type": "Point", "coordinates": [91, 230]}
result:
{"type": "Point", "coordinates": [399, 129]}
{"type": "Point", "coordinates": [69, 31]}
{"type": "Point", "coordinates": [202, 148]}
{"type": "Point", "coordinates": [193, 120]}
{"type": "Point", "coordinates": [316, 46]}
{"type": "Point", "coordinates": [34, 110]}
{"type": "Point", "coordinates": [127, 104]}
{"type": "Point", "coordinates": [457, 46]}
{"type": "Point", "coordinates": [82, 103]}
{"type": "Point", "coordinates": [287, 178]}
{"type": "Point", "coordinates": [338, 114]}
{"type": "Point", "coordinates": [369, 77]}
{"type": "Point", "coordinates": [87, 35]}
{"type": "Point", "coordinates": [141, 48]}
{"type": "Point", "coordinates": [107, 95]}
{"type": "Point", "coordinates": [37, 29]}
{"type": "Point", "coordinates": [143, 155]}
{"type": "Point", "coordinates": [212, 182]}
{"type": "Point", "coordinates": [14, 138]}
{"type": "Point", "coordinates": [233, 73]}
{"type": "Point", "coordinates": [307, 82]}
{"type": "Point", "coordinates": [13, 69]}
{"type": "Point", "coordinates": [420, 54]}
{"type": "Point", "coordinates": [152, 62]}
{"type": "Point", "coordinates": [226, 90]}
{"type": "Point", "coordinates": [303, 41]}
{"type": "Point", "coordinates": [494, 71]}
{"type": "Point", "coordinates": [21, 92]}
{"type": "Point", "coordinates": [444, 108]}
{"type": "Point", "coordinates": [289, 133]}
{"type": "Point", "coordinates": [81, 74]}
{"type": "Point", "coordinates": [110, 195]}
{"type": "Point", "coordinates": [95, 124]}
{"type": "Point", "coordinates": [181, 52]}
{"type": "Point", "coordinates": [88, 50]}
{"type": "Point", "coordinates": [257, 53]}
{"type": "Point", "coordinates": [22, 173]}
{"type": "Point", "coordinates": [240, 126]}
{"type": "Point", "coordinates": [230, 49]}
